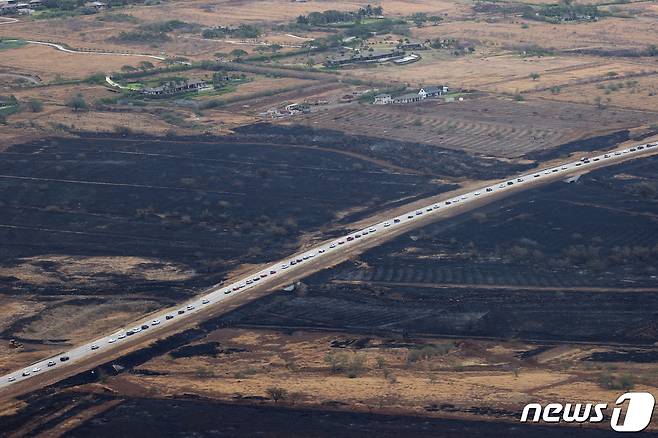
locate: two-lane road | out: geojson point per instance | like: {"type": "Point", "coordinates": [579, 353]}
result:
{"type": "Point", "coordinates": [273, 274]}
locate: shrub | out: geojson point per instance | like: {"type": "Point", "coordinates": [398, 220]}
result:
{"type": "Point", "coordinates": [77, 103]}
{"type": "Point", "coordinates": [276, 393]}
{"type": "Point", "coordinates": [35, 105]}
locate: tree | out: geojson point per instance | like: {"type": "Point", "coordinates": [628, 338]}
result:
{"type": "Point", "coordinates": [146, 65]}
{"type": "Point", "coordinates": [534, 76]}
{"type": "Point", "coordinates": [77, 103]}
{"type": "Point", "coordinates": [337, 362]}
{"type": "Point", "coordinates": [276, 393]}
{"type": "Point", "coordinates": [128, 68]}
{"type": "Point", "coordinates": [218, 79]}
{"type": "Point", "coordinates": [435, 19]}
{"type": "Point", "coordinates": [238, 53]}
{"type": "Point", "coordinates": [275, 47]}
{"type": "Point", "coordinates": [35, 105]}
{"type": "Point", "coordinates": [3, 119]}
{"type": "Point", "coordinates": [419, 18]}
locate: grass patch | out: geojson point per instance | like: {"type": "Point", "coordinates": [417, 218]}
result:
{"type": "Point", "coordinates": [11, 44]}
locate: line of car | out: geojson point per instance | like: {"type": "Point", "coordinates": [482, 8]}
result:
{"type": "Point", "coordinates": [221, 292]}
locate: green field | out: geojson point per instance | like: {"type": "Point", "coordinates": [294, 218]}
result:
{"type": "Point", "coordinates": [11, 44]}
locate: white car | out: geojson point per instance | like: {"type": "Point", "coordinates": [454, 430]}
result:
{"type": "Point", "coordinates": [333, 245]}
{"type": "Point", "coordinates": [372, 229]}
{"type": "Point", "coordinates": [136, 330]}
{"type": "Point", "coordinates": [11, 379]}
{"type": "Point", "coordinates": [26, 373]}
{"type": "Point", "coordinates": [386, 224]}
{"type": "Point", "coordinates": [321, 251]}
{"type": "Point", "coordinates": [122, 336]}
{"type": "Point", "coordinates": [205, 301]}
{"type": "Point", "coordinates": [284, 266]}
{"type": "Point", "coordinates": [36, 370]}
{"type": "Point", "coordinates": [51, 363]}
{"type": "Point", "coordinates": [155, 322]}
{"type": "Point", "coordinates": [111, 341]}
{"type": "Point", "coordinates": [190, 307]}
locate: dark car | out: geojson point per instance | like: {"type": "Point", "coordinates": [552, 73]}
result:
{"type": "Point", "coordinates": [63, 358]}
{"type": "Point", "coordinates": [180, 312]}
{"type": "Point", "coordinates": [145, 326]}
{"type": "Point", "coordinates": [169, 317]}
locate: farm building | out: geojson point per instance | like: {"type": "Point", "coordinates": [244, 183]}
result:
{"type": "Point", "coordinates": [383, 99]}
{"type": "Point", "coordinates": [170, 88]}
{"type": "Point", "coordinates": [408, 59]}
{"type": "Point", "coordinates": [408, 98]}
{"type": "Point", "coordinates": [413, 45]}
{"type": "Point", "coordinates": [433, 91]}
{"type": "Point", "coordinates": [99, 6]}
{"type": "Point", "coordinates": [424, 93]}
{"type": "Point", "coordinates": [364, 57]}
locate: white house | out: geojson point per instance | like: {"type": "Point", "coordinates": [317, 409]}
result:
{"type": "Point", "coordinates": [408, 98]}
{"type": "Point", "coordinates": [433, 91]}
{"type": "Point", "coordinates": [383, 99]}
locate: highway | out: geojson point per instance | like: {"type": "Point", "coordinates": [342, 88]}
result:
{"type": "Point", "coordinates": [276, 272]}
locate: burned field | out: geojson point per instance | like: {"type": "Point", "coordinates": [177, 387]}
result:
{"type": "Point", "coordinates": [183, 417]}
{"type": "Point", "coordinates": [96, 230]}
{"type": "Point", "coordinates": [205, 417]}
{"type": "Point", "coordinates": [406, 153]}
{"type": "Point", "coordinates": [206, 206]}
{"type": "Point", "coordinates": [568, 262]}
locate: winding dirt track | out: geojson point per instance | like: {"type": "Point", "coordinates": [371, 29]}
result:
{"type": "Point", "coordinates": [313, 265]}
{"type": "Point", "coordinates": [61, 48]}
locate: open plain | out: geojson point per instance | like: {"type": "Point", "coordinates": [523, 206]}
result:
{"type": "Point", "coordinates": [151, 150]}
